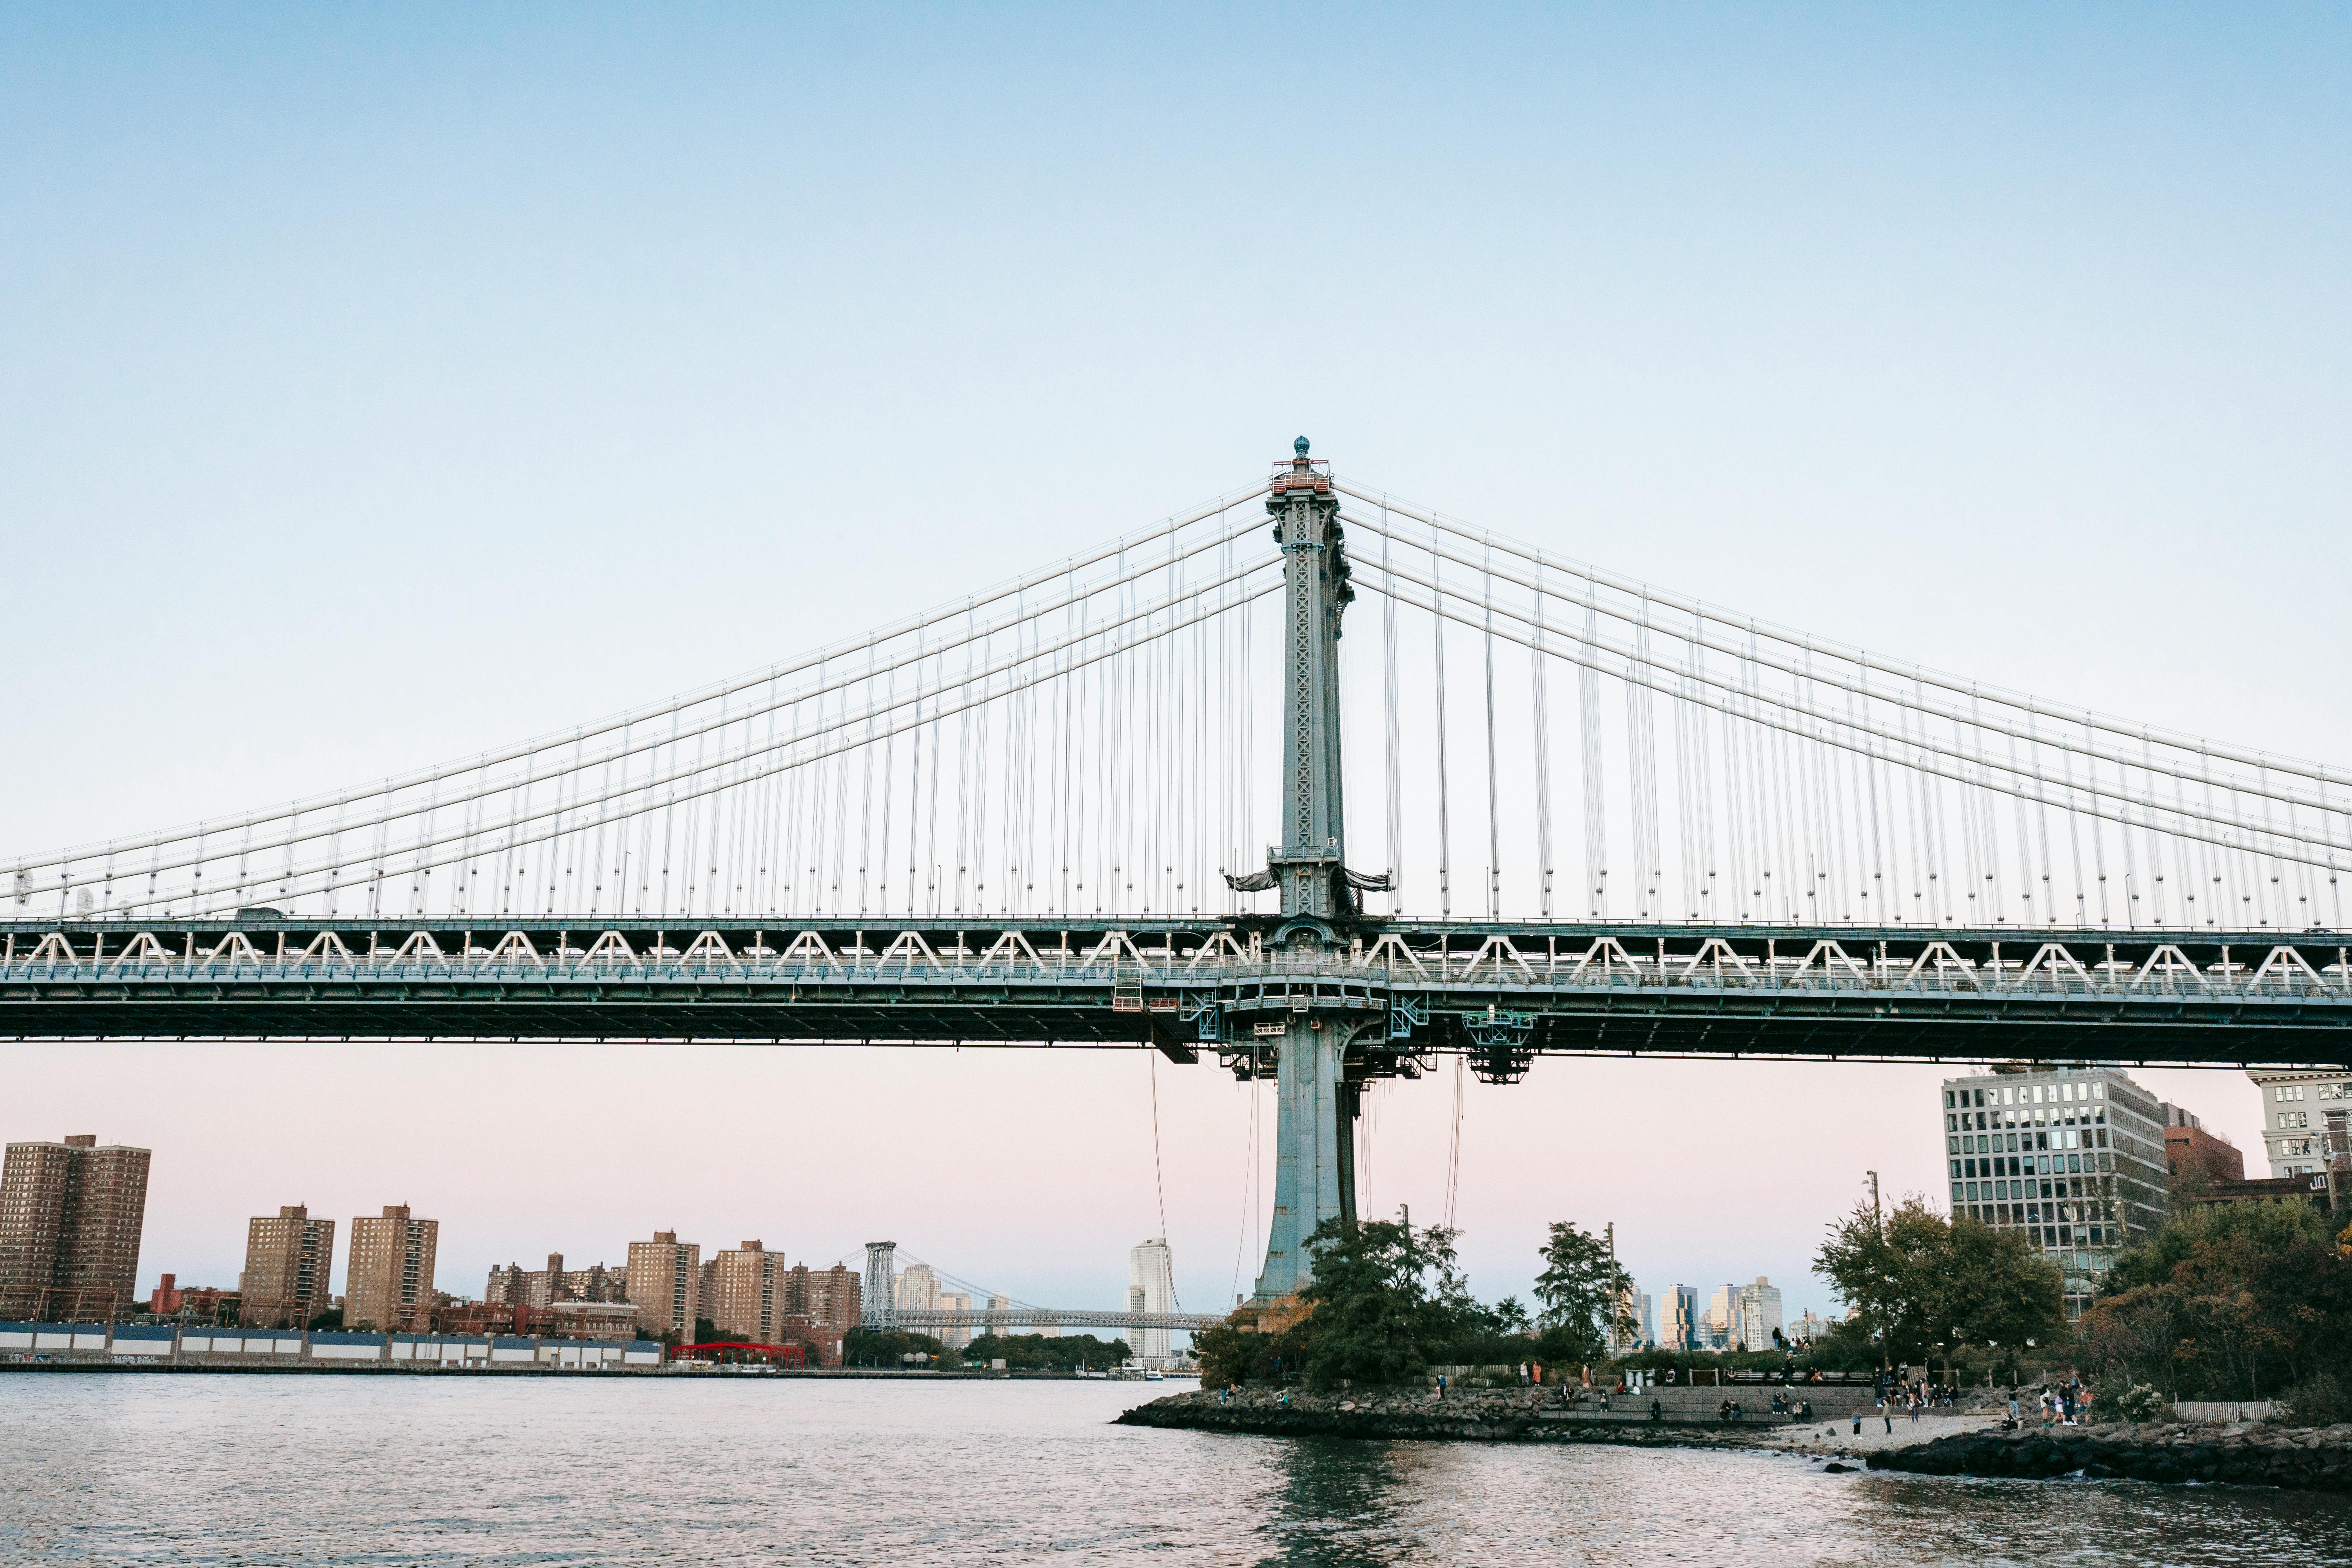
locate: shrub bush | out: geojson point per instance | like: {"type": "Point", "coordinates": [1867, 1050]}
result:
{"type": "Point", "coordinates": [2320, 1401]}
{"type": "Point", "coordinates": [2131, 1401]}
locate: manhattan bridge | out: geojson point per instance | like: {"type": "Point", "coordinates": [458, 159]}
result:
{"type": "Point", "coordinates": [1106, 805]}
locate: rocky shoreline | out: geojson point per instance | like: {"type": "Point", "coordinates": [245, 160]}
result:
{"type": "Point", "coordinates": [1494, 1415]}
{"type": "Point", "coordinates": [2246, 1454]}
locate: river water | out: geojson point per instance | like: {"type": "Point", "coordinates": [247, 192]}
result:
{"type": "Point", "coordinates": [314, 1471]}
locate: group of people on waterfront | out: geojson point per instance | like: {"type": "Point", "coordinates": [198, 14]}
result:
{"type": "Point", "coordinates": [2063, 1403]}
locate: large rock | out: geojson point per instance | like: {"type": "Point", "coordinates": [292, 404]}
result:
{"type": "Point", "coordinates": [2304, 1459]}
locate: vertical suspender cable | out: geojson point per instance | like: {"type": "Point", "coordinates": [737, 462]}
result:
{"type": "Point", "coordinates": [1444, 802]}
{"type": "Point", "coordinates": [1588, 705]}
{"type": "Point", "coordinates": [1540, 694]}
{"type": "Point", "coordinates": [1392, 750]}
{"type": "Point", "coordinates": [1494, 798]}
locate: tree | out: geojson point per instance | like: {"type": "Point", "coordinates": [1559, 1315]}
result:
{"type": "Point", "coordinates": [1036, 1352]}
{"type": "Point", "coordinates": [1231, 1356]}
{"type": "Point", "coordinates": [2229, 1301]}
{"type": "Point", "coordinates": [1382, 1296]}
{"type": "Point", "coordinates": [1586, 1297]}
{"type": "Point", "coordinates": [1914, 1283]}
{"type": "Point", "coordinates": [878, 1347]}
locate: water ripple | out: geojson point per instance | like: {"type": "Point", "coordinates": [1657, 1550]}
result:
{"type": "Point", "coordinates": [328, 1472]}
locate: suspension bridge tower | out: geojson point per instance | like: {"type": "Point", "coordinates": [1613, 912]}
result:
{"type": "Point", "coordinates": [1315, 1176]}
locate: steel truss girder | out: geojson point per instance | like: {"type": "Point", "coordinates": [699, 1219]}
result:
{"type": "Point", "coordinates": [2240, 997]}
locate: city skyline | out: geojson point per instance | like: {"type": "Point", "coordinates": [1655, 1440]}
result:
{"type": "Point", "coordinates": [1085, 1285]}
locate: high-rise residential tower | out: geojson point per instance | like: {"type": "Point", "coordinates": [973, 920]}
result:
{"type": "Point", "coordinates": [666, 1284]}
{"type": "Point", "coordinates": [2070, 1158]}
{"type": "Point", "coordinates": [1151, 1288]}
{"type": "Point", "coordinates": [829, 1297]}
{"type": "Point", "coordinates": [288, 1260]}
{"type": "Point", "coordinates": [70, 1218]}
{"type": "Point", "coordinates": [389, 1284]}
{"type": "Point", "coordinates": [750, 1295]}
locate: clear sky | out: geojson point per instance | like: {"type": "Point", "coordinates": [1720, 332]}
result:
{"type": "Point", "coordinates": [381, 384]}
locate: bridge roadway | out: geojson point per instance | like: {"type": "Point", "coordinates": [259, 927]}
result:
{"type": "Point", "coordinates": [1499, 992]}
{"type": "Point", "coordinates": [1024, 1320]}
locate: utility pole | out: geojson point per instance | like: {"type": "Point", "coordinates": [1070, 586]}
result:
{"type": "Point", "coordinates": [1616, 1308]}
{"type": "Point", "coordinates": [1878, 1229]}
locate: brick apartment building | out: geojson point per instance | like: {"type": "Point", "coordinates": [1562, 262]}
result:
{"type": "Point", "coordinates": [389, 1286]}
{"type": "Point", "coordinates": [749, 1295]}
{"type": "Point", "coordinates": [288, 1261]}
{"type": "Point", "coordinates": [511, 1282]}
{"type": "Point", "coordinates": [666, 1284]}
{"type": "Point", "coordinates": [70, 1218]}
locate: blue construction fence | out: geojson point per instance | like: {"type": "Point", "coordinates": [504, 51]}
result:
{"type": "Point", "coordinates": [165, 1341]}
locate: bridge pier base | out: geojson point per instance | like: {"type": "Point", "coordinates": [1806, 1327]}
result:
{"type": "Point", "coordinates": [1314, 1150]}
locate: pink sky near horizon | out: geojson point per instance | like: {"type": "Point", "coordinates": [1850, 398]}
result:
{"type": "Point", "coordinates": [1024, 1170]}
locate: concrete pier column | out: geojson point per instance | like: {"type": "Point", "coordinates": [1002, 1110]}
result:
{"type": "Point", "coordinates": [1314, 1151]}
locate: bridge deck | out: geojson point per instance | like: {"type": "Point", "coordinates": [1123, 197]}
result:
{"type": "Point", "coordinates": [2235, 997]}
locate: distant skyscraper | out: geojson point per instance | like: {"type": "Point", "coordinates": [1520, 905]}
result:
{"type": "Point", "coordinates": [1151, 1288]}
{"type": "Point", "coordinates": [1720, 1316]}
{"type": "Point", "coordinates": [1755, 1314]}
{"type": "Point", "coordinates": [1641, 1309]}
{"type": "Point", "coordinates": [389, 1284]}
{"type": "Point", "coordinates": [666, 1284]}
{"type": "Point", "coordinates": [1686, 1329]}
{"type": "Point", "coordinates": [750, 1294]}
{"type": "Point", "coordinates": [289, 1257]}
{"type": "Point", "coordinates": [954, 1336]}
{"type": "Point", "coordinates": [70, 1218]}
{"type": "Point", "coordinates": [919, 1291]}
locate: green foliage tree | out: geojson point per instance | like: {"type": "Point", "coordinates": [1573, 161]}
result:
{"type": "Point", "coordinates": [2230, 1301]}
{"type": "Point", "coordinates": [1917, 1285]}
{"type": "Point", "coordinates": [1230, 1356]}
{"type": "Point", "coordinates": [1038, 1352]}
{"type": "Point", "coordinates": [1383, 1294]}
{"type": "Point", "coordinates": [1585, 1297]}
{"type": "Point", "coordinates": [878, 1347]}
